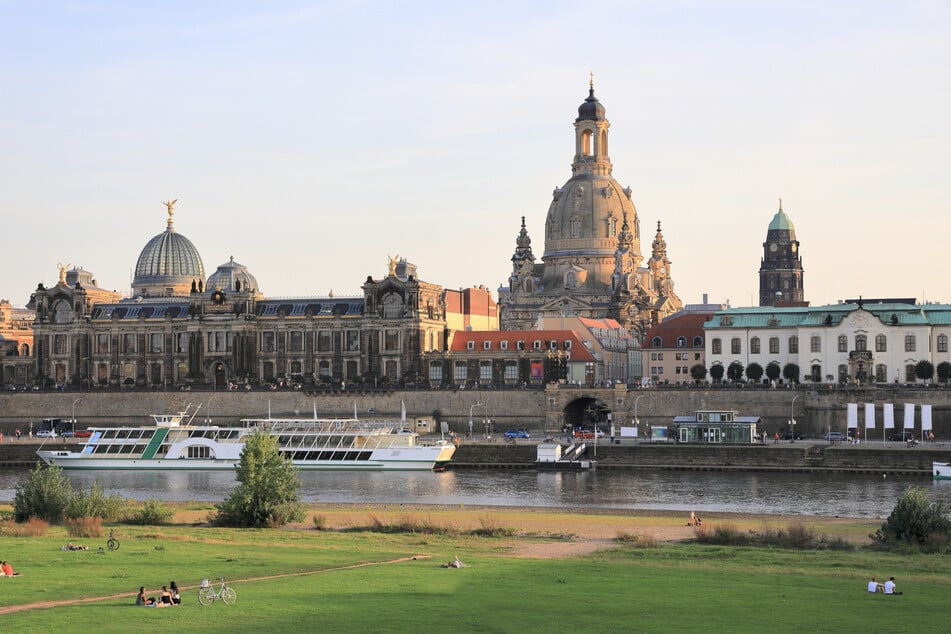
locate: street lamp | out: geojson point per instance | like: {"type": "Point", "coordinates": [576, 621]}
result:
{"type": "Point", "coordinates": [792, 419]}
{"type": "Point", "coordinates": [74, 416]}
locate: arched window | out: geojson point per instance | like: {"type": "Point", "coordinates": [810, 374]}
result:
{"type": "Point", "coordinates": [881, 343]}
{"type": "Point", "coordinates": [698, 342]}
{"type": "Point", "coordinates": [910, 373]}
{"type": "Point", "coordinates": [815, 343]}
{"type": "Point", "coordinates": [586, 143]}
{"type": "Point", "coordinates": [735, 346]}
{"type": "Point", "coordinates": [909, 343]}
{"type": "Point", "coordinates": [774, 345]}
{"type": "Point", "coordinates": [754, 345]}
{"type": "Point", "coordinates": [843, 373]}
{"type": "Point", "coordinates": [942, 343]}
{"type": "Point", "coordinates": [62, 313]}
{"type": "Point", "coordinates": [794, 345]}
{"type": "Point", "coordinates": [881, 373]}
{"type": "Point", "coordinates": [392, 306]}
{"type": "Point", "coordinates": [861, 343]}
{"type": "Point", "coordinates": [816, 372]}
{"type": "Point", "coordinates": [681, 342]}
{"type": "Point", "coordinates": [843, 343]}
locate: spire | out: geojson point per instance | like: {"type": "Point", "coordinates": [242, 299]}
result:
{"type": "Point", "coordinates": [523, 246]}
{"type": "Point", "coordinates": [625, 239]}
{"type": "Point", "coordinates": [659, 246]}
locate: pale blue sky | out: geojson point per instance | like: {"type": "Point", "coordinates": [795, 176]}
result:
{"type": "Point", "coordinates": [311, 140]}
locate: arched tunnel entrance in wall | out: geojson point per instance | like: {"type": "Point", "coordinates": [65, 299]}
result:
{"type": "Point", "coordinates": [586, 413]}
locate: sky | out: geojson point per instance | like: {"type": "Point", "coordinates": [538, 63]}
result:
{"type": "Point", "coordinates": [311, 141]}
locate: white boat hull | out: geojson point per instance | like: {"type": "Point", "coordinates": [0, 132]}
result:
{"type": "Point", "coordinates": [941, 470]}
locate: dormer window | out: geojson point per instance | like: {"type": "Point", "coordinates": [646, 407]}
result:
{"type": "Point", "coordinates": [553, 345]}
{"type": "Point", "coordinates": [567, 344]}
{"type": "Point", "coordinates": [486, 345]}
{"type": "Point", "coordinates": [504, 345]}
{"type": "Point", "coordinates": [537, 344]}
{"type": "Point", "coordinates": [520, 345]}
{"type": "Point", "coordinates": [470, 345]}
{"type": "Point", "coordinates": [657, 342]}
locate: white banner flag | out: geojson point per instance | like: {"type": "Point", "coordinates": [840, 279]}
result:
{"type": "Point", "coordinates": [925, 418]}
{"type": "Point", "coordinates": [909, 416]}
{"type": "Point", "coordinates": [870, 416]}
{"type": "Point", "coordinates": [853, 415]}
{"type": "Point", "coordinates": [888, 413]}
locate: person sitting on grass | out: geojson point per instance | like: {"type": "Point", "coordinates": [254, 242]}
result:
{"type": "Point", "coordinates": [874, 586]}
{"type": "Point", "coordinates": [8, 569]}
{"type": "Point", "coordinates": [142, 600]}
{"type": "Point", "coordinates": [165, 597]}
{"type": "Point", "coordinates": [889, 587]}
{"type": "Point", "coordinates": [176, 595]}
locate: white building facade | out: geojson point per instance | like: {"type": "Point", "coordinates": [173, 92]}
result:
{"type": "Point", "coordinates": [879, 341]}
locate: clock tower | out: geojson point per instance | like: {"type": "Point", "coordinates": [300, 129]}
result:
{"type": "Point", "coordinates": [780, 271]}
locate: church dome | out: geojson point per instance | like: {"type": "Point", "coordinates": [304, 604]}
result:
{"type": "Point", "coordinates": [167, 265]}
{"type": "Point", "coordinates": [232, 277]}
{"type": "Point", "coordinates": [781, 222]}
{"type": "Point", "coordinates": [591, 108]}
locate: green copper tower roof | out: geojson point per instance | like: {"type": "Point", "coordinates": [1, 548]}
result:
{"type": "Point", "coordinates": [781, 221]}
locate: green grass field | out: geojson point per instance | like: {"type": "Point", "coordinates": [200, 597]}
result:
{"type": "Point", "coordinates": [670, 588]}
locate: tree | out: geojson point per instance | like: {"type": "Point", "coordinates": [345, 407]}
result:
{"type": "Point", "coordinates": [716, 372]}
{"type": "Point", "coordinates": [45, 493]}
{"type": "Point", "coordinates": [269, 491]}
{"type": "Point", "coordinates": [791, 372]}
{"type": "Point", "coordinates": [944, 371]}
{"type": "Point", "coordinates": [698, 372]}
{"type": "Point", "coordinates": [735, 371]}
{"type": "Point", "coordinates": [754, 372]}
{"type": "Point", "coordinates": [916, 520]}
{"type": "Point", "coordinates": [772, 371]}
{"type": "Point", "coordinates": [924, 370]}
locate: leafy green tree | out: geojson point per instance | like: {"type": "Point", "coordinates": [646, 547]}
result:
{"type": "Point", "coordinates": [754, 372]}
{"type": "Point", "coordinates": [917, 521]}
{"type": "Point", "coordinates": [791, 372]}
{"type": "Point", "coordinates": [45, 493]}
{"type": "Point", "coordinates": [924, 370]}
{"type": "Point", "coordinates": [269, 491]}
{"type": "Point", "coordinates": [735, 371]}
{"type": "Point", "coordinates": [95, 503]}
{"type": "Point", "coordinates": [944, 371]}
{"type": "Point", "coordinates": [698, 372]}
{"type": "Point", "coordinates": [716, 372]}
{"type": "Point", "coordinates": [772, 371]}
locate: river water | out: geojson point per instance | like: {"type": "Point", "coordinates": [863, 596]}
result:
{"type": "Point", "coordinates": [843, 495]}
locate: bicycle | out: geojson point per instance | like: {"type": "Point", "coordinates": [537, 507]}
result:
{"type": "Point", "coordinates": [112, 543]}
{"type": "Point", "coordinates": [207, 593]}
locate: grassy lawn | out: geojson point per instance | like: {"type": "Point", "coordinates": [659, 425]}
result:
{"type": "Point", "coordinates": [670, 588]}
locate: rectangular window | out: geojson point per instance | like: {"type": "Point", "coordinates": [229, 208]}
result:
{"type": "Point", "coordinates": [157, 341]}
{"type": "Point", "coordinates": [774, 345]}
{"type": "Point", "coordinates": [459, 371]}
{"type": "Point", "coordinates": [128, 344]}
{"type": "Point", "coordinates": [815, 344]}
{"type": "Point", "coordinates": [754, 345]}
{"type": "Point", "coordinates": [59, 343]}
{"type": "Point", "coordinates": [296, 341]}
{"type": "Point", "coordinates": [794, 345]}
{"type": "Point", "coordinates": [435, 371]}
{"type": "Point", "coordinates": [735, 345]}
{"type": "Point", "coordinates": [511, 371]}
{"type": "Point", "coordinates": [485, 371]}
{"type": "Point", "coordinates": [182, 342]}
{"type": "Point", "coordinates": [353, 340]}
{"type": "Point", "coordinates": [324, 341]}
{"type": "Point", "coordinates": [391, 340]}
{"type": "Point", "coordinates": [716, 347]}
{"type": "Point", "coordinates": [267, 342]}
{"type": "Point", "coordinates": [102, 344]}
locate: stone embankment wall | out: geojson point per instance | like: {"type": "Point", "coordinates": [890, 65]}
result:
{"type": "Point", "coordinates": [815, 411]}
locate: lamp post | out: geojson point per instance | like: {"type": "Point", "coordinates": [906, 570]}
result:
{"type": "Point", "coordinates": [792, 419]}
{"type": "Point", "coordinates": [637, 422]}
{"type": "Point", "coordinates": [74, 415]}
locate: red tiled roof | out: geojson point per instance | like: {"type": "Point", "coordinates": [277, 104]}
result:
{"type": "Point", "coordinates": [688, 325]}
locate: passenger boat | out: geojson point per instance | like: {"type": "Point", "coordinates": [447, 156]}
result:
{"type": "Point", "coordinates": [941, 470]}
{"type": "Point", "coordinates": [314, 444]}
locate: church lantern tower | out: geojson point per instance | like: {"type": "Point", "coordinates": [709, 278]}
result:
{"type": "Point", "coordinates": [780, 272]}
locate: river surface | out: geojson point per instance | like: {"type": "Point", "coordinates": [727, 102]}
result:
{"type": "Point", "coordinates": [843, 495]}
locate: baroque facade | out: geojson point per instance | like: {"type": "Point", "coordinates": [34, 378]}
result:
{"type": "Point", "coordinates": [871, 341]}
{"type": "Point", "coordinates": [592, 265]}
{"type": "Point", "coordinates": [178, 328]}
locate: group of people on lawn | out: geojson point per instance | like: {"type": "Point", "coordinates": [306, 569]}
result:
{"type": "Point", "coordinates": [169, 596]}
{"type": "Point", "coordinates": [887, 588]}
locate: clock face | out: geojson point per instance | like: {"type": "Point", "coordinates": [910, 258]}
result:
{"type": "Point", "coordinates": [773, 247]}
{"type": "Point", "coordinates": [793, 247]}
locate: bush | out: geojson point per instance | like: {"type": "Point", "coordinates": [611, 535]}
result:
{"type": "Point", "coordinates": [45, 494]}
{"type": "Point", "coordinates": [32, 527]}
{"type": "Point", "coordinates": [84, 527]}
{"type": "Point", "coordinates": [95, 503]}
{"type": "Point", "coordinates": [268, 493]}
{"type": "Point", "coordinates": [916, 521]}
{"type": "Point", "coordinates": [153, 512]}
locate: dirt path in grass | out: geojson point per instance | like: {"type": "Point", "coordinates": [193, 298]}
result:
{"type": "Point", "coordinates": [39, 605]}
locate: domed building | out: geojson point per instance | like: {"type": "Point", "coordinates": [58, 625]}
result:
{"type": "Point", "coordinates": [169, 265]}
{"type": "Point", "coordinates": [592, 265]}
{"type": "Point", "coordinates": [780, 271]}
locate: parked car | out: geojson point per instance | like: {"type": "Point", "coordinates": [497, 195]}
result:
{"type": "Point", "coordinates": [588, 433]}
{"type": "Point", "coordinates": [902, 436]}
{"type": "Point", "coordinates": [82, 433]}
{"type": "Point", "coordinates": [796, 436]}
{"type": "Point", "coordinates": [517, 433]}
{"type": "Point", "coordinates": [834, 435]}
{"type": "Point", "coordinates": [66, 433]}
{"type": "Point", "coordinates": [46, 433]}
